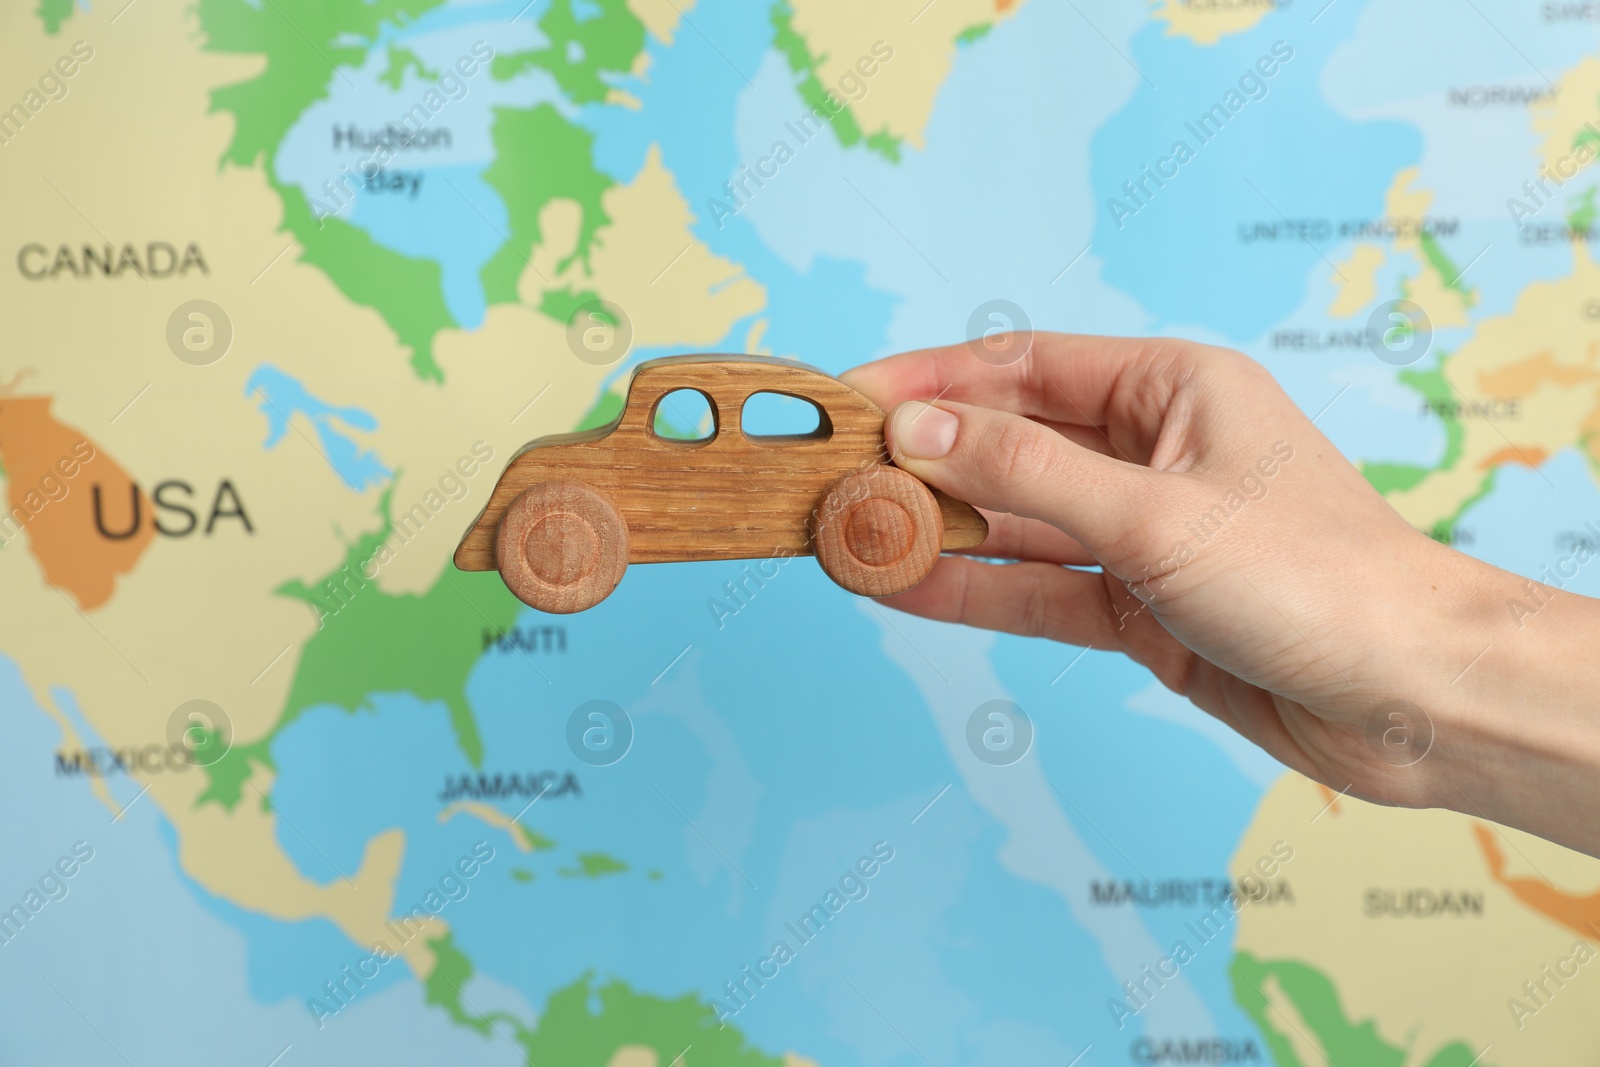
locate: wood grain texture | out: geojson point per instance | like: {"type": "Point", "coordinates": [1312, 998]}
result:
{"type": "Point", "coordinates": [878, 532]}
{"type": "Point", "coordinates": [731, 496]}
{"type": "Point", "coordinates": [561, 547]}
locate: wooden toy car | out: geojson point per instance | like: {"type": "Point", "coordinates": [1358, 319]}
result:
{"type": "Point", "coordinates": [571, 511]}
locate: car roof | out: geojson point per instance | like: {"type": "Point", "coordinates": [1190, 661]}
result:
{"type": "Point", "coordinates": [729, 379]}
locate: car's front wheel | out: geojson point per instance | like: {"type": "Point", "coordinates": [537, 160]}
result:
{"type": "Point", "coordinates": [561, 547]}
{"type": "Point", "coordinates": [878, 531]}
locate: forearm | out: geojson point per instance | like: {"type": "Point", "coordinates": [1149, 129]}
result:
{"type": "Point", "coordinates": [1515, 708]}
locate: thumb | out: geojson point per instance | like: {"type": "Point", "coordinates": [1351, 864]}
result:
{"type": "Point", "coordinates": [1005, 462]}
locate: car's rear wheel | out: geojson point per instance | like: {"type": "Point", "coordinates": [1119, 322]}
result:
{"type": "Point", "coordinates": [561, 547]}
{"type": "Point", "coordinates": [878, 531]}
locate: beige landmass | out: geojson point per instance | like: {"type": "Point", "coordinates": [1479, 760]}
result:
{"type": "Point", "coordinates": [520, 835]}
{"type": "Point", "coordinates": [623, 98]}
{"type": "Point", "coordinates": [675, 291]}
{"type": "Point", "coordinates": [1445, 307]}
{"type": "Point", "coordinates": [634, 1056]}
{"type": "Point", "coordinates": [199, 618]}
{"type": "Point", "coordinates": [1534, 355]}
{"type": "Point", "coordinates": [1407, 199]}
{"type": "Point", "coordinates": [1424, 982]}
{"type": "Point", "coordinates": [1356, 280]}
{"type": "Point", "coordinates": [753, 339]}
{"type": "Point", "coordinates": [660, 17]}
{"type": "Point", "coordinates": [899, 95]}
{"type": "Point", "coordinates": [1560, 119]}
{"type": "Point", "coordinates": [1207, 23]}
{"type": "Point", "coordinates": [644, 1056]}
{"type": "Point", "coordinates": [1298, 1032]}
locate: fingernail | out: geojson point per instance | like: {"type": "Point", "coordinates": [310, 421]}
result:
{"type": "Point", "coordinates": [922, 431]}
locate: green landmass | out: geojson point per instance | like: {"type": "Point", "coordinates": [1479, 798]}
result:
{"type": "Point", "coordinates": [1582, 217]}
{"type": "Point", "coordinates": [535, 841]}
{"type": "Point", "coordinates": [654, 876]}
{"type": "Point", "coordinates": [209, 746]}
{"type": "Point", "coordinates": [607, 409]}
{"type": "Point", "coordinates": [407, 292]}
{"type": "Point", "coordinates": [1587, 136]}
{"type": "Point", "coordinates": [578, 51]}
{"type": "Point", "coordinates": [302, 42]}
{"type": "Point", "coordinates": [886, 145]}
{"type": "Point", "coordinates": [1448, 272]}
{"type": "Point", "coordinates": [583, 1024]}
{"type": "Point", "coordinates": [794, 49]}
{"type": "Point", "coordinates": [539, 157]}
{"type": "Point", "coordinates": [1343, 1041]}
{"type": "Point", "coordinates": [52, 13]}
{"type": "Point", "coordinates": [974, 33]}
{"type": "Point", "coordinates": [442, 987]}
{"type": "Point", "coordinates": [521, 874]}
{"type": "Point", "coordinates": [561, 304]}
{"type": "Point", "coordinates": [402, 60]}
{"type": "Point", "coordinates": [1389, 478]}
{"type": "Point", "coordinates": [372, 641]}
{"type": "Point", "coordinates": [593, 865]}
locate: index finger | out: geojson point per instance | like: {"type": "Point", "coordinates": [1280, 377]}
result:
{"type": "Point", "coordinates": [1072, 378]}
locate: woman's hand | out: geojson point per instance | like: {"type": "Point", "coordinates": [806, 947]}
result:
{"type": "Point", "coordinates": [1245, 562]}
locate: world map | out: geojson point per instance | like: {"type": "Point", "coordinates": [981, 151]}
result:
{"type": "Point", "coordinates": [290, 281]}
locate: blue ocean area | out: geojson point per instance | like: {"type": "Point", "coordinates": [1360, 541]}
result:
{"type": "Point", "coordinates": [428, 203]}
{"type": "Point", "coordinates": [1218, 242]}
{"type": "Point", "coordinates": [449, 216]}
{"type": "Point", "coordinates": [828, 314]}
{"type": "Point", "coordinates": [753, 782]}
{"type": "Point", "coordinates": [174, 942]}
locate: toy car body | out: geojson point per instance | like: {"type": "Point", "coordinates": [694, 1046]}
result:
{"type": "Point", "coordinates": [570, 511]}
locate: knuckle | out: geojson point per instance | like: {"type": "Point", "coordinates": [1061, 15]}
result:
{"type": "Point", "coordinates": [963, 580]}
{"type": "Point", "coordinates": [1036, 613]}
{"type": "Point", "coordinates": [1019, 454]}
{"type": "Point", "coordinates": [1237, 364]}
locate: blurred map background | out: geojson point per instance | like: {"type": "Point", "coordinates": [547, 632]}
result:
{"type": "Point", "coordinates": [287, 282]}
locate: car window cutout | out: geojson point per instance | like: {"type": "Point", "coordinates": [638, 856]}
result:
{"type": "Point", "coordinates": [770, 418]}
{"type": "Point", "coordinates": [684, 415]}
